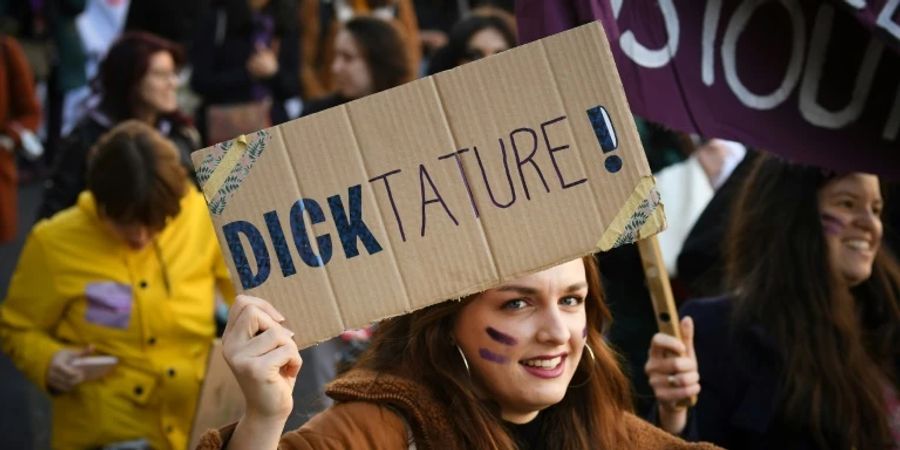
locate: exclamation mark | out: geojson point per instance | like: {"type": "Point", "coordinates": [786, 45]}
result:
{"type": "Point", "coordinates": [606, 136]}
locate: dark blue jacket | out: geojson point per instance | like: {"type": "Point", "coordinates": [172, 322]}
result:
{"type": "Point", "coordinates": [740, 375]}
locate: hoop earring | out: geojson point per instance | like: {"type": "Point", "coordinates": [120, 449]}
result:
{"type": "Point", "coordinates": [464, 360]}
{"type": "Point", "coordinates": [590, 351]}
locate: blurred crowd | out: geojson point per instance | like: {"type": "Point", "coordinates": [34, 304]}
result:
{"type": "Point", "coordinates": [121, 287]}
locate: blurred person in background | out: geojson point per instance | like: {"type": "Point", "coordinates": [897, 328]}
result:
{"type": "Point", "coordinates": [138, 79]}
{"type": "Point", "coordinates": [368, 58]}
{"type": "Point", "coordinates": [19, 115]}
{"type": "Point", "coordinates": [245, 66]}
{"type": "Point", "coordinates": [486, 32]}
{"type": "Point", "coordinates": [804, 352]}
{"type": "Point", "coordinates": [320, 22]}
{"type": "Point", "coordinates": [130, 272]}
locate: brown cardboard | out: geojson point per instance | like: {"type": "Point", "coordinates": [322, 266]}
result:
{"type": "Point", "coordinates": [413, 149]}
{"type": "Point", "coordinates": [221, 401]}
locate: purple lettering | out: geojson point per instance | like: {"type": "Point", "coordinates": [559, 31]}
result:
{"type": "Point", "coordinates": [423, 175]}
{"type": "Point", "coordinates": [552, 150]}
{"type": "Point", "coordinates": [529, 159]}
{"type": "Point", "coordinates": [491, 356]}
{"type": "Point", "coordinates": [387, 186]}
{"type": "Point", "coordinates": [487, 185]}
{"type": "Point", "coordinates": [465, 177]}
{"type": "Point", "coordinates": [500, 337]}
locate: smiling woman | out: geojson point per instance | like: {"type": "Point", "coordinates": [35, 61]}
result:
{"type": "Point", "coordinates": [519, 366]}
{"type": "Point", "coordinates": [803, 353]}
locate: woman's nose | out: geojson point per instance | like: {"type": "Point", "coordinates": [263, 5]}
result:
{"type": "Point", "coordinates": [554, 329]}
{"type": "Point", "coordinates": [867, 220]}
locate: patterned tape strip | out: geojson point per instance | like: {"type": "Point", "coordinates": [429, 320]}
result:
{"type": "Point", "coordinates": [227, 165]}
{"type": "Point", "coordinates": [640, 217]}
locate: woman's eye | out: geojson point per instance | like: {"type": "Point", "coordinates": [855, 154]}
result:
{"type": "Point", "coordinates": [515, 304]}
{"type": "Point", "coordinates": [571, 301]}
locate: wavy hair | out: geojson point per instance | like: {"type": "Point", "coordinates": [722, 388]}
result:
{"type": "Point", "coordinates": [418, 346]}
{"type": "Point", "coordinates": [837, 345]}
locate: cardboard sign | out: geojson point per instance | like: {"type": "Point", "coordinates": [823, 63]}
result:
{"type": "Point", "coordinates": [221, 401]}
{"type": "Point", "coordinates": [815, 81]}
{"type": "Point", "coordinates": [436, 189]}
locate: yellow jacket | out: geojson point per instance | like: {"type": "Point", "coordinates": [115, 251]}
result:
{"type": "Point", "coordinates": [76, 284]}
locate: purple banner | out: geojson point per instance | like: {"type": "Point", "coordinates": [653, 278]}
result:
{"type": "Point", "coordinates": [817, 82]}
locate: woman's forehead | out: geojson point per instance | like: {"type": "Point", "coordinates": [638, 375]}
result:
{"type": "Point", "coordinates": [853, 183]}
{"type": "Point", "coordinates": [563, 275]}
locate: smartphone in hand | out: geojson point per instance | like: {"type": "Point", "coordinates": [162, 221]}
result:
{"type": "Point", "coordinates": [95, 367]}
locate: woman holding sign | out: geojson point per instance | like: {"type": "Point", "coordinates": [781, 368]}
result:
{"type": "Point", "coordinates": [519, 366]}
{"type": "Point", "coordinates": [805, 352]}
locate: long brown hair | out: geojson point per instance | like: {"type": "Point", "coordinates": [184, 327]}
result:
{"type": "Point", "coordinates": [418, 346]}
{"type": "Point", "coordinates": [837, 346]}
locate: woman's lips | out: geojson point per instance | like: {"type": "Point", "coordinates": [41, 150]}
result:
{"type": "Point", "coordinates": [545, 367]}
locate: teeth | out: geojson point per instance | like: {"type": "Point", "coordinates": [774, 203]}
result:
{"type": "Point", "coordinates": [857, 244]}
{"type": "Point", "coordinates": [543, 363]}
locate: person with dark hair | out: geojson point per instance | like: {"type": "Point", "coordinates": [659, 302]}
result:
{"type": "Point", "coordinates": [110, 309]}
{"type": "Point", "coordinates": [137, 79]}
{"type": "Point", "coordinates": [321, 20]}
{"type": "Point", "coordinates": [369, 58]}
{"type": "Point", "coordinates": [520, 366]}
{"type": "Point", "coordinates": [486, 32]}
{"type": "Point", "coordinates": [245, 60]}
{"type": "Point", "coordinates": [805, 351]}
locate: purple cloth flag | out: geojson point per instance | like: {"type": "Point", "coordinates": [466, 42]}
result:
{"type": "Point", "coordinates": [815, 81]}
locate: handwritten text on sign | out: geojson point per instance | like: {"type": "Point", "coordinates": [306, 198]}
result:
{"type": "Point", "coordinates": [525, 177]}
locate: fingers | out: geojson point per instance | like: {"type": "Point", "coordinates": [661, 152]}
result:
{"type": "Point", "coordinates": [663, 344]}
{"type": "Point", "coordinates": [673, 388]}
{"type": "Point", "coordinates": [669, 365]}
{"type": "Point", "coordinates": [687, 335]}
{"type": "Point", "coordinates": [242, 301]}
{"type": "Point", "coordinates": [248, 316]}
{"type": "Point", "coordinates": [63, 377]}
{"type": "Point", "coordinates": [286, 358]}
{"type": "Point", "coordinates": [275, 336]}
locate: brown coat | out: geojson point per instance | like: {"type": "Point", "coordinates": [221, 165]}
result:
{"type": "Point", "coordinates": [368, 416]}
{"type": "Point", "coordinates": [18, 108]}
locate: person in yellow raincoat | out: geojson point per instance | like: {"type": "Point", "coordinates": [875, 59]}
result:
{"type": "Point", "coordinates": [130, 271]}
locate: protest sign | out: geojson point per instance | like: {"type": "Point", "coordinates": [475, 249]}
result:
{"type": "Point", "coordinates": [436, 189]}
{"type": "Point", "coordinates": [815, 81]}
{"type": "Point", "coordinates": [221, 401]}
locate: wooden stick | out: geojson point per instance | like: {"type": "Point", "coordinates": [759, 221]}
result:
{"type": "Point", "coordinates": [661, 293]}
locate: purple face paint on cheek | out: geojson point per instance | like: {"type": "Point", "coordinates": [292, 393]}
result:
{"type": "Point", "coordinates": [491, 356]}
{"type": "Point", "coordinates": [502, 338]}
{"type": "Point", "coordinates": [584, 333]}
{"type": "Point", "coordinates": [832, 225]}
